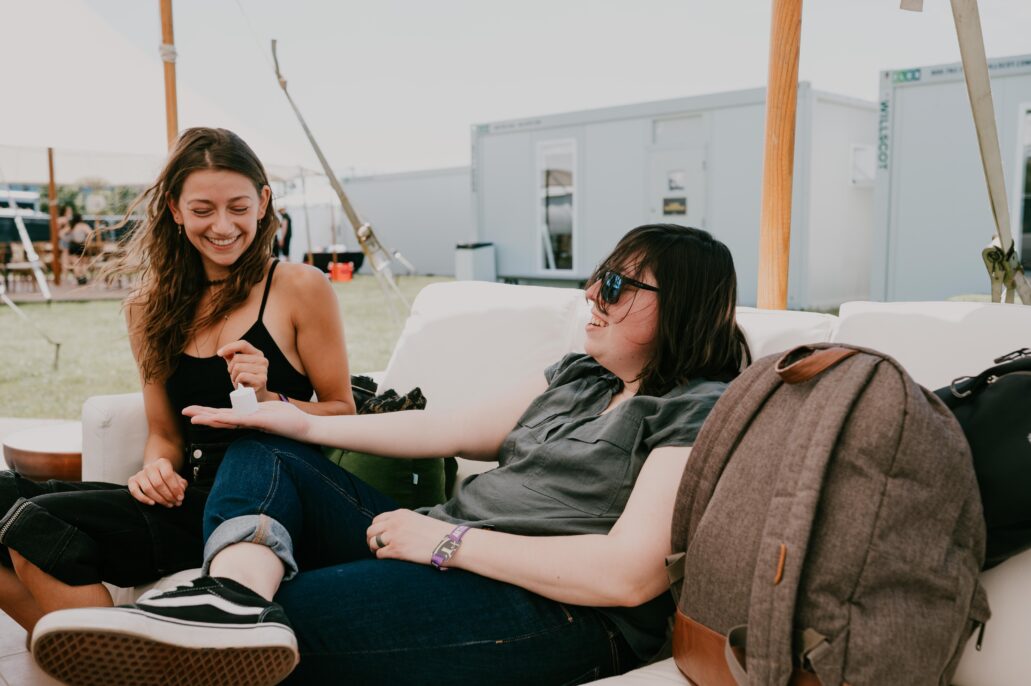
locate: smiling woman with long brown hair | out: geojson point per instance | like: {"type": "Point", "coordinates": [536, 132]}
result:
{"type": "Point", "coordinates": [211, 311]}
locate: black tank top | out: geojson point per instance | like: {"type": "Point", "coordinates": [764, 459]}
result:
{"type": "Point", "coordinates": [205, 380]}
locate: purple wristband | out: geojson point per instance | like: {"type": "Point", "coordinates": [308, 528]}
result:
{"type": "Point", "coordinates": [283, 397]}
{"type": "Point", "coordinates": [447, 548]}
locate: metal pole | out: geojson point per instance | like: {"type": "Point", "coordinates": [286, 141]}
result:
{"type": "Point", "coordinates": [168, 57]}
{"type": "Point", "coordinates": [55, 250]}
{"type": "Point", "coordinates": [779, 154]}
{"type": "Point", "coordinates": [1008, 271]}
{"type": "Point", "coordinates": [378, 257]}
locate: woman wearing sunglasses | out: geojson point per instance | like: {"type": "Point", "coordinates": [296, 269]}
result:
{"type": "Point", "coordinates": [554, 558]}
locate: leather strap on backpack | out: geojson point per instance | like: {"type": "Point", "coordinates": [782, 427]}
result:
{"type": "Point", "coordinates": [708, 658]}
{"type": "Point", "coordinates": [804, 363]}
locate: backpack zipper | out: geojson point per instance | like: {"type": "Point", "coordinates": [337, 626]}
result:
{"type": "Point", "coordinates": [10, 520]}
{"type": "Point", "coordinates": [980, 635]}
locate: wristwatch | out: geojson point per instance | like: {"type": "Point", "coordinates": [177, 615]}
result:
{"type": "Point", "coordinates": [447, 547]}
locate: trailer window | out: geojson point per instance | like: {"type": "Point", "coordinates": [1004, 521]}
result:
{"type": "Point", "coordinates": [557, 216]}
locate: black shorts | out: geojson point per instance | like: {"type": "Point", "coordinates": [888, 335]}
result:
{"type": "Point", "coordinates": [76, 248]}
{"type": "Point", "coordinates": [87, 532]}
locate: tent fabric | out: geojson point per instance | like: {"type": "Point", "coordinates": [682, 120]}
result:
{"type": "Point", "coordinates": [28, 165]}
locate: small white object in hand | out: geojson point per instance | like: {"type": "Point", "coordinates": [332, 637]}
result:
{"type": "Point", "coordinates": [244, 400]}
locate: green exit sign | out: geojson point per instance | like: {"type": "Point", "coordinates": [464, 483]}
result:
{"type": "Point", "coordinates": [906, 75]}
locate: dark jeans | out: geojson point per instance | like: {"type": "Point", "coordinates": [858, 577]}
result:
{"type": "Point", "coordinates": [366, 621]}
{"type": "Point", "coordinates": [87, 532]}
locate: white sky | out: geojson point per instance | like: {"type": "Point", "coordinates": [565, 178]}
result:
{"type": "Point", "coordinates": [392, 85]}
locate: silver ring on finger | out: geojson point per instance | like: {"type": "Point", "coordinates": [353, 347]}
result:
{"type": "Point", "coordinates": [379, 542]}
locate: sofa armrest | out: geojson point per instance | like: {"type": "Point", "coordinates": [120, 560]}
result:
{"type": "Point", "coordinates": [114, 433]}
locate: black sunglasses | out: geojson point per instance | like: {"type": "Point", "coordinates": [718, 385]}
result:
{"type": "Point", "coordinates": [612, 285]}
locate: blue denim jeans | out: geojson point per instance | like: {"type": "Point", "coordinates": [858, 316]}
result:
{"type": "Point", "coordinates": [360, 620]}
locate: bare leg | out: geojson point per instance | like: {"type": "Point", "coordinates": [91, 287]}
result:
{"type": "Point", "coordinates": [16, 600]}
{"type": "Point", "coordinates": [251, 564]}
{"type": "Point", "coordinates": [52, 594]}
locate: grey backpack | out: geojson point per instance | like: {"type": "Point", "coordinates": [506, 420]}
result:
{"type": "Point", "coordinates": [832, 526]}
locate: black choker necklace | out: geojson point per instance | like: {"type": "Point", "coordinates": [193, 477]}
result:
{"type": "Point", "coordinates": [215, 282]}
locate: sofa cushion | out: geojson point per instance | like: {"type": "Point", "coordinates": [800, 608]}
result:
{"type": "Point", "coordinates": [936, 342]}
{"type": "Point", "coordinates": [662, 673]}
{"type": "Point", "coordinates": [774, 331]}
{"type": "Point", "coordinates": [465, 337]}
{"type": "Point", "coordinates": [1004, 658]}
{"type": "Point", "coordinates": [411, 483]}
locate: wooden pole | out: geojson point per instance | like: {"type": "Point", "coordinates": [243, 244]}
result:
{"type": "Point", "coordinates": [779, 154]}
{"type": "Point", "coordinates": [168, 57]}
{"type": "Point", "coordinates": [55, 249]}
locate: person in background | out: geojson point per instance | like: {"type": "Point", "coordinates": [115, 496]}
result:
{"type": "Point", "coordinates": [284, 234]}
{"type": "Point", "coordinates": [79, 234]}
{"type": "Point", "coordinates": [64, 216]}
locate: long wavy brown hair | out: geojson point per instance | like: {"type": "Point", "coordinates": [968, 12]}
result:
{"type": "Point", "coordinates": [168, 275]}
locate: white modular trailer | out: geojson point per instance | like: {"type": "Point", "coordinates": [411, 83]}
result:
{"type": "Point", "coordinates": [933, 217]}
{"type": "Point", "coordinates": [555, 193]}
{"type": "Point", "coordinates": [421, 214]}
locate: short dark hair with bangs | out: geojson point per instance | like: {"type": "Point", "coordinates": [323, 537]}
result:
{"type": "Point", "coordinates": [697, 332]}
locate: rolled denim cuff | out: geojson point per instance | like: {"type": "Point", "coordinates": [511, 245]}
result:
{"type": "Point", "coordinates": [257, 528]}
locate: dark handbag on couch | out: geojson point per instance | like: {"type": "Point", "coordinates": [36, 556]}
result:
{"type": "Point", "coordinates": [994, 409]}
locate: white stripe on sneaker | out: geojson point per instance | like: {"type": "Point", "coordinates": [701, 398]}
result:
{"type": "Point", "coordinates": [202, 600]}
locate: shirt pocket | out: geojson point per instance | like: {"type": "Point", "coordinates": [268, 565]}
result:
{"type": "Point", "coordinates": [539, 420]}
{"type": "Point", "coordinates": [589, 468]}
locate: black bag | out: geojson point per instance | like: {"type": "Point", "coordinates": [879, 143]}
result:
{"type": "Point", "coordinates": [994, 409]}
{"type": "Point", "coordinates": [363, 388]}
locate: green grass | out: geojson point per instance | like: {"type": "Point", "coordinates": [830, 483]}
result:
{"type": "Point", "coordinates": [95, 357]}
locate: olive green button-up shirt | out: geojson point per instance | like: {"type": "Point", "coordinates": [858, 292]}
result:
{"type": "Point", "coordinates": [567, 468]}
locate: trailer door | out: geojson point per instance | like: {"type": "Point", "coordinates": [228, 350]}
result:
{"type": "Point", "coordinates": [677, 185]}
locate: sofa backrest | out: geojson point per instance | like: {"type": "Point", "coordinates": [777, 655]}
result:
{"type": "Point", "coordinates": [773, 331]}
{"type": "Point", "coordinates": [936, 342]}
{"type": "Point", "coordinates": [465, 336]}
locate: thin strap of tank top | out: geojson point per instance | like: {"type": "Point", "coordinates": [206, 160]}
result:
{"type": "Point", "coordinates": [268, 287]}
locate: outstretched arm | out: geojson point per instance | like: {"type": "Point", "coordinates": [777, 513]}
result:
{"type": "Point", "coordinates": [471, 430]}
{"type": "Point", "coordinates": [623, 568]}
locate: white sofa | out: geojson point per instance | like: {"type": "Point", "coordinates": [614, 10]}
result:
{"type": "Point", "coordinates": [462, 337]}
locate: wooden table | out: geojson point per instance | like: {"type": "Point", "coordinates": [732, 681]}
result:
{"type": "Point", "coordinates": [51, 451]}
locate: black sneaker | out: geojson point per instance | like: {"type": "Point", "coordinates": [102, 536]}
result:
{"type": "Point", "coordinates": [212, 631]}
